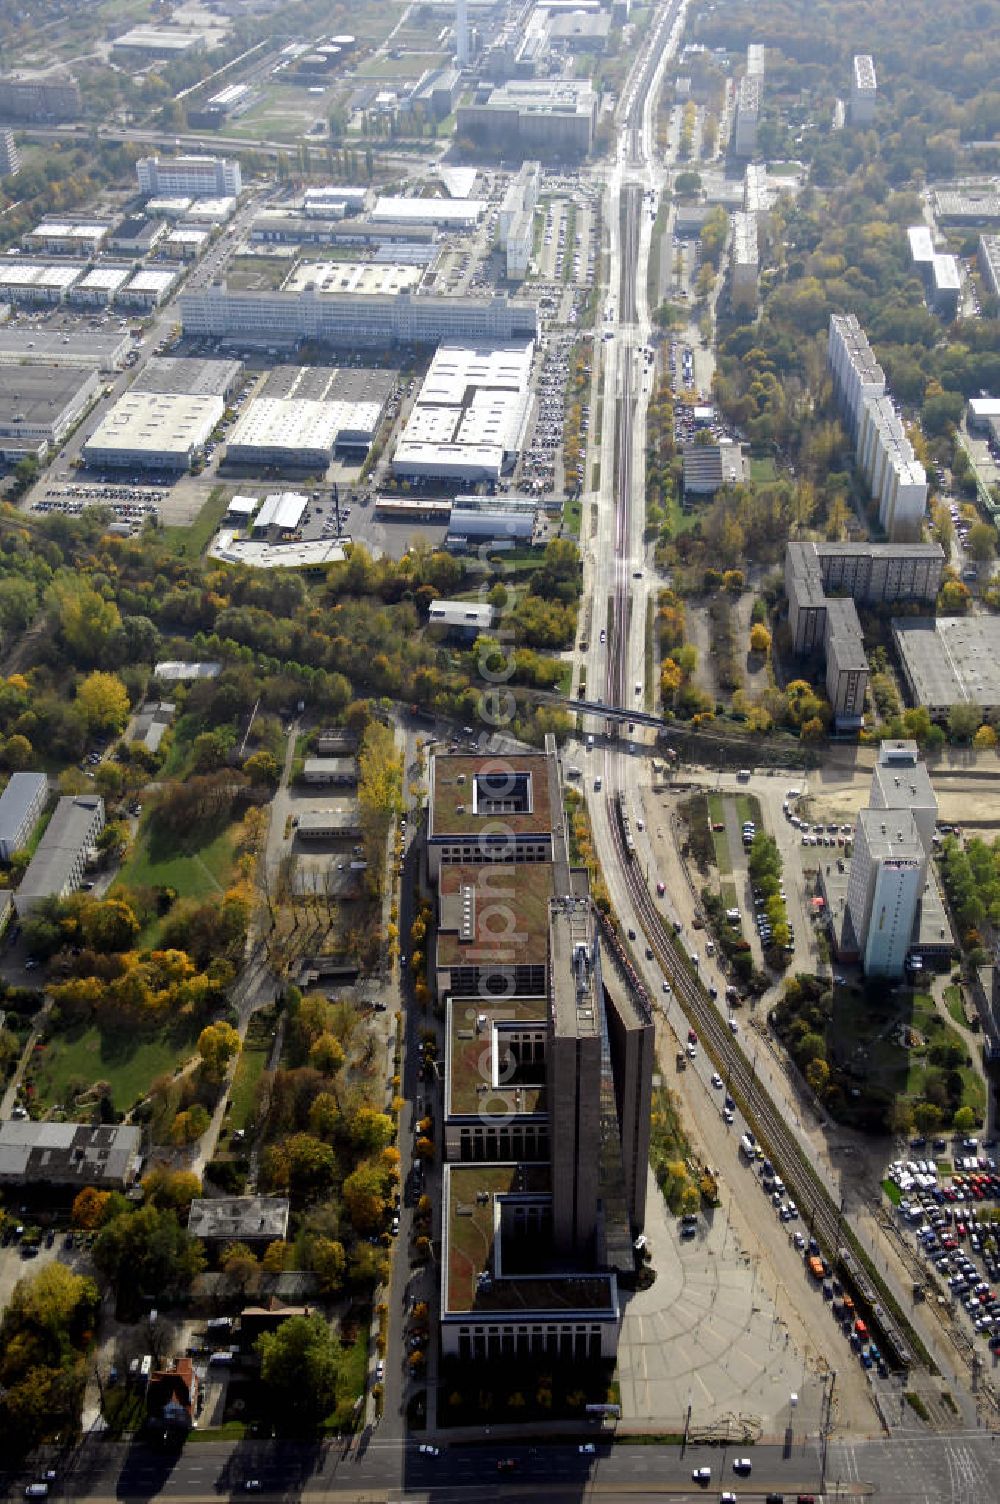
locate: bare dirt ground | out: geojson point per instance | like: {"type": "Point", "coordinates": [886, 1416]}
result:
{"type": "Point", "coordinates": [967, 785]}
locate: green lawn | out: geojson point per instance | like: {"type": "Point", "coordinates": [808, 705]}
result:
{"type": "Point", "coordinates": [194, 871]}
{"type": "Point", "coordinates": [127, 1063]}
{"type": "Point", "coordinates": [748, 808]}
{"type": "Point", "coordinates": [195, 538]}
{"type": "Point", "coordinates": [763, 471]}
{"type": "Point", "coordinates": [571, 517]}
{"type": "Point", "coordinates": [248, 1072]}
{"type": "Point", "coordinates": [720, 840]}
{"type": "Point", "coordinates": [955, 1005]}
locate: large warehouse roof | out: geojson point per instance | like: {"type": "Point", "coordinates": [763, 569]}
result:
{"type": "Point", "coordinates": [37, 274]}
{"type": "Point", "coordinates": [950, 659]}
{"type": "Point", "coordinates": [471, 411]}
{"type": "Point", "coordinates": [63, 347]}
{"type": "Point", "coordinates": [187, 376]}
{"type": "Point", "coordinates": [39, 394]}
{"type": "Point", "coordinates": [300, 424]}
{"type": "Point", "coordinates": [360, 278]}
{"type": "Point", "coordinates": [159, 422]}
{"type": "Point", "coordinates": [464, 212]}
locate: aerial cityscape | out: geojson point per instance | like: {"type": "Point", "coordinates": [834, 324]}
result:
{"type": "Point", "coordinates": [499, 735]}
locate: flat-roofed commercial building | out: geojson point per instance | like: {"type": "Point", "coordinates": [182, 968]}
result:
{"type": "Point", "coordinates": [100, 287]}
{"type": "Point", "coordinates": [864, 90]}
{"type": "Point", "coordinates": [67, 237]}
{"type": "Point", "coordinates": [341, 822]}
{"type": "Point", "coordinates": [253, 1220]}
{"type": "Point", "coordinates": [32, 282]}
{"type": "Point", "coordinates": [967, 206]}
{"type": "Point", "coordinates": [60, 859]}
{"type": "Point", "coordinates": [21, 806]}
{"type": "Point", "coordinates": [748, 97]}
{"type": "Point", "coordinates": [136, 236]}
{"type": "Point", "coordinates": [210, 212]}
{"type": "Point", "coordinates": [154, 431]}
{"type": "Point", "coordinates": [51, 95]}
{"type": "Point", "coordinates": [950, 660]}
{"type": "Point", "coordinates": [147, 289]}
{"type": "Point", "coordinates": [185, 242]}
{"type": "Point", "coordinates": [444, 213]}
{"type": "Point", "coordinates": [39, 404]}
{"type": "Point", "coordinates": [280, 515]}
{"type": "Point", "coordinates": [56, 347]}
{"type": "Point", "coordinates": [469, 419]}
{"type": "Point", "coordinates": [462, 620]}
{"type": "Point", "coordinates": [167, 42]}
{"type": "Point", "coordinates": [299, 433]}
{"type": "Point", "coordinates": [543, 118]}
{"type": "Point", "coordinates": [333, 772]}
{"type": "Point", "coordinates": [69, 1154]}
{"type": "Point", "coordinates": [189, 376]}
{"type": "Point", "coordinates": [190, 177]}
{"type": "Point", "coordinates": [282, 318]}
{"type": "Point", "coordinates": [332, 197]}
{"type": "Point", "coordinates": [946, 285]}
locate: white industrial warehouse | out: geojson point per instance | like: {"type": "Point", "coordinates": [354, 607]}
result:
{"type": "Point", "coordinates": [469, 419]}
{"type": "Point", "coordinates": [300, 432]}
{"type": "Point", "coordinates": [154, 431]}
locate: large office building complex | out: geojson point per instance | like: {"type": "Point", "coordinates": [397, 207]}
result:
{"type": "Point", "coordinates": [548, 1074]}
{"type": "Point", "coordinates": [989, 262]}
{"type": "Point", "coordinates": [190, 177]}
{"type": "Point", "coordinates": [863, 90]}
{"type": "Point", "coordinates": [547, 118]}
{"type": "Point", "coordinates": [274, 319]}
{"type": "Point", "coordinates": [883, 451]}
{"type": "Point", "coordinates": [938, 271]}
{"type": "Point", "coordinates": [823, 583]}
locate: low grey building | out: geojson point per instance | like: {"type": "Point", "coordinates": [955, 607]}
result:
{"type": "Point", "coordinates": [950, 660]}
{"type": "Point", "coordinates": [69, 1154]}
{"type": "Point", "coordinates": [58, 865]}
{"type": "Point", "coordinates": [239, 1219]}
{"type": "Point", "coordinates": [709, 467]}
{"type": "Point", "coordinates": [464, 619]}
{"type": "Point", "coordinates": [21, 806]}
{"type": "Point", "coordinates": [342, 823]}
{"type": "Point", "coordinates": [151, 722]}
{"type": "Point", "coordinates": [342, 771]}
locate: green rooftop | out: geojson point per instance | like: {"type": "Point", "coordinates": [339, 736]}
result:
{"type": "Point", "coordinates": [516, 800]}
{"type": "Point", "coordinates": [510, 911]}
{"type": "Point", "coordinates": [470, 1060]}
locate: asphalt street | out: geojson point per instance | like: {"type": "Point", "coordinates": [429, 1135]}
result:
{"type": "Point", "coordinates": [956, 1469]}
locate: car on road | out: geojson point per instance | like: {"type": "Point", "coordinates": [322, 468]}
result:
{"type": "Point", "coordinates": [743, 1466]}
{"type": "Point", "coordinates": [379, 1371]}
{"type": "Point", "coordinates": [702, 1475]}
{"type": "Point", "coordinates": [586, 1448]}
{"type": "Point", "coordinates": [252, 1486]}
{"type": "Point", "coordinates": [692, 1051]}
{"type": "Point", "coordinates": [717, 1081]}
{"type": "Point", "coordinates": [727, 1496]}
{"type": "Point", "coordinates": [428, 1449]}
{"type": "Point", "coordinates": [506, 1464]}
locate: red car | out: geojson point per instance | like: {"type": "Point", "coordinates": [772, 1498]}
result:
{"type": "Point", "coordinates": [692, 1037]}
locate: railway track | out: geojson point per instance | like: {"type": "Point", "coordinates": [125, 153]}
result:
{"type": "Point", "coordinates": [820, 1212]}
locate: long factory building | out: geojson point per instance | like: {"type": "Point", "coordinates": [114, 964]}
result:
{"type": "Point", "coordinates": [274, 319]}
{"type": "Point", "coordinates": [469, 419]}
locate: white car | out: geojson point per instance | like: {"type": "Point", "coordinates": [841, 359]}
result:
{"type": "Point", "coordinates": [717, 1081]}
{"type": "Point", "coordinates": [429, 1450]}
{"type": "Point", "coordinates": [586, 1449]}
{"type": "Point", "coordinates": [701, 1475]}
{"type": "Point", "coordinates": [379, 1371]}
{"type": "Point", "coordinates": [743, 1466]}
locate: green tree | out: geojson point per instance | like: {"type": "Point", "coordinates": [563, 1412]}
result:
{"type": "Point", "coordinates": [964, 1119]}
{"type": "Point", "coordinates": [299, 1366]}
{"type": "Point", "coordinates": [964, 720]}
{"type": "Point", "coordinates": [982, 542]}
{"type": "Point", "coordinates": [217, 1044]}
{"type": "Point", "coordinates": [147, 1252]}
{"type": "Point", "coordinates": [104, 701]}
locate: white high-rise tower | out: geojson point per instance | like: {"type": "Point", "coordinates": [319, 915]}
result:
{"type": "Point", "coordinates": [462, 56]}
